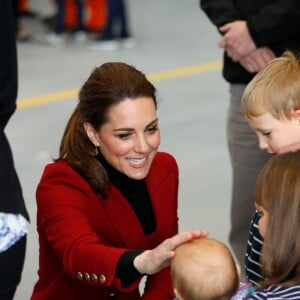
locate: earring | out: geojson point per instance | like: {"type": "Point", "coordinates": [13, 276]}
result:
{"type": "Point", "coordinates": [96, 151]}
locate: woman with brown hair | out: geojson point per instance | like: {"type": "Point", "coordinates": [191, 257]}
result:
{"type": "Point", "coordinates": [107, 207]}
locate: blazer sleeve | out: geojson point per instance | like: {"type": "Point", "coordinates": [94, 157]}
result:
{"type": "Point", "coordinates": [220, 12]}
{"type": "Point", "coordinates": [275, 22]}
{"type": "Point", "coordinates": [272, 23]}
{"type": "Point", "coordinates": [65, 223]}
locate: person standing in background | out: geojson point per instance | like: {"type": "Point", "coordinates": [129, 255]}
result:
{"type": "Point", "coordinates": [116, 31]}
{"type": "Point", "coordinates": [57, 37]}
{"type": "Point", "coordinates": [13, 213]}
{"type": "Point", "coordinates": [253, 33]}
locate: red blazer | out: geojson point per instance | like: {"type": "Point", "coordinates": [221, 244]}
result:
{"type": "Point", "coordinates": [82, 236]}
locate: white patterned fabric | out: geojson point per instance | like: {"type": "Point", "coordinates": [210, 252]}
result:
{"type": "Point", "coordinates": [12, 229]}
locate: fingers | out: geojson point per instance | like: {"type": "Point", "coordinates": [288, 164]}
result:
{"type": "Point", "coordinates": [257, 59]}
{"type": "Point", "coordinates": [152, 261]}
{"type": "Point", "coordinates": [225, 27]}
{"type": "Point", "coordinates": [173, 242]}
{"type": "Point", "coordinates": [267, 54]}
{"type": "Point", "coordinates": [236, 39]}
{"type": "Point", "coordinates": [235, 56]}
{"type": "Point", "coordinates": [222, 42]}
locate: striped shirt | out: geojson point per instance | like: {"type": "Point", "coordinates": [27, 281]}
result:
{"type": "Point", "coordinates": [276, 292]}
{"type": "Point", "coordinates": [254, 245]}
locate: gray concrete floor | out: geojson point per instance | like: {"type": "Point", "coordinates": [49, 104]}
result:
{"type": "Point", "coordinates": [171, 35]}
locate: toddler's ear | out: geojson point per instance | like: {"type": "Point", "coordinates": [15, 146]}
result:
{"type": "Point", "coordinates": [238, 268]}
{"type": "Point", "coordinates": [296, 115]}
{"type": "Point", "coordinates": [177, 295]}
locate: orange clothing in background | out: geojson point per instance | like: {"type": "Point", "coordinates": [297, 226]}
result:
{"type": "Point", "coordinates": [70, 14]}
{"type": "Point", "coordinates": [94, 17]}
{"type": "Point", "coordinates": [23, 5]}
{"type": "Point", "coordinates": [96, 14]}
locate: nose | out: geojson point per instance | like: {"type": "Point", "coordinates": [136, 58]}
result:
{"type": "Point", "coordinates": [141, 144]}
{"type": "Point", "coordinates": [262, 143]}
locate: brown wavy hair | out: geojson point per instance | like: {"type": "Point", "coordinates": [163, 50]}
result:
{"type": "Point", "coordinates": [108, 85]}
{"type": "Point", "coordinates": [278, 192]}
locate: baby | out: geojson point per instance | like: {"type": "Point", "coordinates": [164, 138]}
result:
{"type": "Point", "coordinates": [204, 269]}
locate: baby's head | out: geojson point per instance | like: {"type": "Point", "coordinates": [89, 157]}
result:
{"type": "Point", "coordinates": [271, 103]}
{"type": "Point", "coordinates": [204, 269]}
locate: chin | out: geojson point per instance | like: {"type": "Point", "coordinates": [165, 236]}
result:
{"type": "Point", "coordinates": [138, 175]}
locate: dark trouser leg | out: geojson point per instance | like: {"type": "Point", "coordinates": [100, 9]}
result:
{"type": "Point", "coordinates": [11, 266]}
{"type": "Point", "coordinates": [246, 160]}
{"type": "Point", "coordinates": [123, 19]}
{"type": "Point", "coordinates": [108, 31]}
{"type": "Point", "coordinates": [59, 26]}
{"type": "Point", "coordinates": [80, 13]}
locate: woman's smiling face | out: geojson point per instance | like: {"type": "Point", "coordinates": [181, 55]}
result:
{"type": "Point", "coordinates": [130, 138]}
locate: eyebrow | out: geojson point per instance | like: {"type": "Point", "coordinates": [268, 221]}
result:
{"type": "Point", "coordinates": [132, 129]}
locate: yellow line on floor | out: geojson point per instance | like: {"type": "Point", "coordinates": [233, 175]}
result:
{"type": "Point", "coordinates": [186, 71]}
{"type": "Point", "coordinates": [47, 98]}
{"type": "Point", "coordinates": [164, 75]}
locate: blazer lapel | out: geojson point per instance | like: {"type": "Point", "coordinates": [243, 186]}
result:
{"type": "Point", "coordinates": [124, 220]}
{"type": "Point", "coordinates": [162, 188]}
{"type": "Point", "coordinates": [155, 185]}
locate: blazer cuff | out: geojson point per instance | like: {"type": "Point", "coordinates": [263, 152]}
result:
{"type": "Point", "coordinates": [126, 271]}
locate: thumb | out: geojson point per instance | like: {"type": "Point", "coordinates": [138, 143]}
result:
{"type": "Point", "coordinates": [224, 28]}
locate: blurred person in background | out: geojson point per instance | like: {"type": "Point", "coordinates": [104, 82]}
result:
{"type": "Point", "coordinates": [116, 32]}
{"type": "Point", "coordinates": [13, 213]}
{"type": "Point", "coordinates": [58, 34]}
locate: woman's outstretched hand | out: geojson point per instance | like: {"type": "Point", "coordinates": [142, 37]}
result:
{"type": "Point", "coordinates": [152, 261]}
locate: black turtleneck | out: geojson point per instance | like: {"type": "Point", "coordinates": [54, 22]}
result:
{"type": "Point", "coordinates": [136, 193]}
